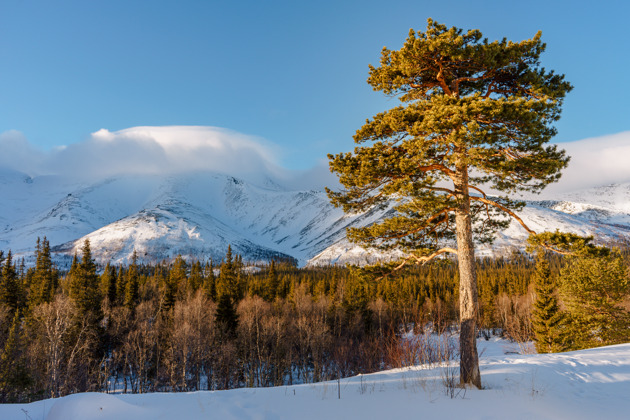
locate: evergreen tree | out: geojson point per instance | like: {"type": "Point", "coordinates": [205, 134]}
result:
{"type": "Point", "coordinates": [593, 286]}
{"type": "Point", "coordinates": [84, 286]}
{"type": "Point", "coordinates": [271, 282]}
{"type": "Point", "coordinates": [109, 284]}
{"type": "Point", "coordinates": [133, 283]}
{"type": "Point", "coordinates": [226, 316]}
{"type": "Point", "coordinates": [195, 279]}
{"type": "Point", "coordinates": [45, 278]}
{"type": "Point", "coordinates": [121, 285]}
{"type": "Point", "coordinates": [10, 285]}
{"type": "Point", "coordinates": [209, 283]}
{"type": "Point", "coordinates": [228, 293]}
{"type": "Point", "coordinates": [546, 317]}
{"type": "Point", "coordinates": [477, 113]}
{"type": "Point", "coordinates": [228, 281]}
{"type": "Point", "coordinates": [178, 274]}
{"type": "Point", "coordinates": [14, 375]}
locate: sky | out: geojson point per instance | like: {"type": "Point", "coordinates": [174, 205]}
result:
{"type": "Point", "coordinates": [289, 76]}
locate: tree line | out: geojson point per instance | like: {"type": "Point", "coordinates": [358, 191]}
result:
{"type": "Point", "coordinates": [191, 325]}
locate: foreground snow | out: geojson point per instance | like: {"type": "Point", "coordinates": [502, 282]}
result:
{"type": "Point", "coordinates": [578, 385]}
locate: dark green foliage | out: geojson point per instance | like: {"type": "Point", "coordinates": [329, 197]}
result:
{"type": "Point", "coordinates": [209, 283]}
{"type": "Point", "coordinates": [132, 283]}
{"type": "Point", "coordinates": [546, 316]}
{"type": "Point", "coordinates": [195, 280]}
{"type": "Point", "coordinates": [84, 286]}
{"type": "Point", "coordinates": [109, 284]}
{"type": "Point", "coordinates": [226, 315]}
{"type": "Point", "coordinates": [319, 323]}
{"type": "Point", "coordinates": [475, 114]}
{"type": "Point", "coordinates": [10, 287]}
{"type": "Point", "coordinates": [45, 279]}
{"type": "Point", "coordinates": [485, 108]}
{"type": "Point", "coordinates": [229, 279]}
{"type": "Point", "coordinates": [14, 373]}
{"type": "Point", "coordinates": [121, 285]}
{"type": "Point", "coordinates": [271, 282]}
{"type": "Point", "coordinates": [593, 287]}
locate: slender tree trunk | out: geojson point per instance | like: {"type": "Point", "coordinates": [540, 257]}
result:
{"type": "Point", "coordinates": [468, 301]}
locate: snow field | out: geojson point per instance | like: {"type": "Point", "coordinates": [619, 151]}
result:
{"type": "Point", "coordinates": [588, 384]}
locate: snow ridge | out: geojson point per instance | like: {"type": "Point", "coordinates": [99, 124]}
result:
{"type": "Point", "coordinates": [198, 214]}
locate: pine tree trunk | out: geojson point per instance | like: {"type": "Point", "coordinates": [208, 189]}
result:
{"type": "Point", "coordinates": [468, 300]}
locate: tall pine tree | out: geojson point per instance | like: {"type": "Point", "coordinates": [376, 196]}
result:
{"type": "Point", "coordinates": [475, 114]}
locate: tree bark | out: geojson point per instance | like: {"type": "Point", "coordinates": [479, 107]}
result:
{"type": "Point", "coordinates": [468, 300]}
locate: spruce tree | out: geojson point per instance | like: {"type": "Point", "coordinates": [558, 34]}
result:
{"type": "Point", "coordinates": [594, 284]}
{"type": "Point", "coordinates": [121, 285]}
{"type": "Point", "coordinates": [271, 282]}
{"type": "Point", "coordinates": [45, 277]}
{"type": "Point", "coordinates": [195, 279]}
{"type": "Point", "coordinates": [84, 286]}
{"type": "Point", "coordinates": [546, 316]}
{"type": "Point", "coordinates": [10, 285]}
{"type": "Point", "coordinates": [14, 374]}
{"type": "Point", "coordinates": [133, 283]}
{"type": "Point", "coordinates": [108, 284]}
{"type": "Point", "coordinates": [228, 293]}
{"type": "Point", "coordinates": [226, 316]}
{"type": "Point", "coordinates": [209, 283]}
{"type": "Point", "coordinates": [229, 276]}
{"type": "Point", "coordinates": [475, 114]}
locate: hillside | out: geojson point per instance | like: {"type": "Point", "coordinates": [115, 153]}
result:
{"type": "Point", "coordinates": [198, 214]}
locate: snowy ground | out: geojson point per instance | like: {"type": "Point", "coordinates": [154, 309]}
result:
{"type": "Point", "coordinates": [589, 384]}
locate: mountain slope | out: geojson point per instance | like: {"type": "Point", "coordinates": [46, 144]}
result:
{"type": "Point", "coordinates": [198, 214]}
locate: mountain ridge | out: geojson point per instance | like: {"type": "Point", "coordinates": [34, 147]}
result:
{"type": "Point", "coordinates": [198, 214]}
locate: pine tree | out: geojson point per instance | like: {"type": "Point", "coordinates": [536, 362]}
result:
{"type": "Point", "coordinates": [546, 317]}
{"type": "Point", "coordinates": [477, 113]}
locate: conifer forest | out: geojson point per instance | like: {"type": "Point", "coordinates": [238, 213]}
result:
{"type": "Point", "coordinates": [192, 325]}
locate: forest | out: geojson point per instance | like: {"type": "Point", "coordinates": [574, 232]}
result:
{"type": "Point", "coordinates": [194, 325]}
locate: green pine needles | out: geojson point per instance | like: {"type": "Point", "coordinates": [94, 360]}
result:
{"type": "Point", "coordinates": [475, 115]}
{"type": "Point", "coordinates": [546, 316]}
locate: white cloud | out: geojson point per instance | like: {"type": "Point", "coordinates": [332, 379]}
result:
{"type": "Point", "coordinates": [144, 150]}
{"type": "Point", "coordinates": [163, 150]}
{"type": "Point", "coordinates": [168, 150]}
{"type": "Point", "coordinates": [594, 161]}
{"type": "Point", "coordinates": [16, 153]}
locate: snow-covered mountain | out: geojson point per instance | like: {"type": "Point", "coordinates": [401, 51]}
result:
{"type": "Point", "coordinates": [198, 214]}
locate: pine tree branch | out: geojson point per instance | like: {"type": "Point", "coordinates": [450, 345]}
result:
{"type": "Point", "coordinates": [418, 260]}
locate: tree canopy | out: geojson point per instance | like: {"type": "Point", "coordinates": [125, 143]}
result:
{"type": "Point", "coordinates": [475, 115]}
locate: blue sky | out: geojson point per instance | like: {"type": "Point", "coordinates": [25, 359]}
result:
{"type": "Point", "coordinates": [290, 73]}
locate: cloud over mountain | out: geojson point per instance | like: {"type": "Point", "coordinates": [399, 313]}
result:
{"type": "Point", "coordinates": [176, 149]}
{"type": "Point", "coordinates": [596, 161]}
